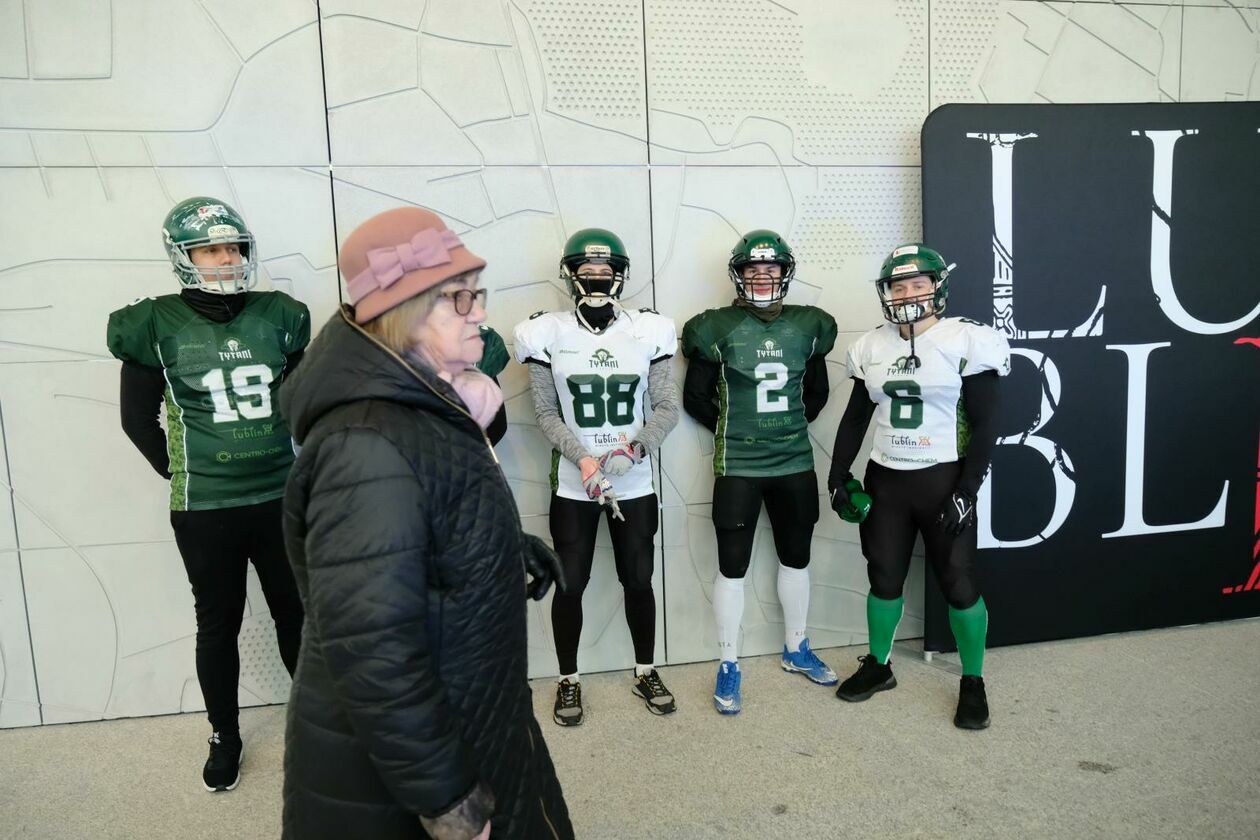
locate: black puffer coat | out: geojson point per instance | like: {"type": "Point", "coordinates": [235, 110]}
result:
{"type": "Point", "coordinates": [407, 549]}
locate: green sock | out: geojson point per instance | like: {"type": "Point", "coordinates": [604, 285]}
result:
{"type": "Point", "coordinates": [970, 627]}
{"type": "Point", "coordinates": [882, 618]}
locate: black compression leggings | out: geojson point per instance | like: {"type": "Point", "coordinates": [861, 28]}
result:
{"type": "Point", "coordinates": [791, 503]}
{"type": "Point", "coordinates": [574, 524]}
{"type": "Point", "coordinates": [216, 545]}
{"type": "Point", "coordinates": [906, 502]}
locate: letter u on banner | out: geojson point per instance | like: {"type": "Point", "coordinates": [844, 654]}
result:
{"type": "Point", "coordinates": [1165, 143]}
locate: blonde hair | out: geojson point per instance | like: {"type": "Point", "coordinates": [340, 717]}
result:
{"type": "Point", "coordinates": [395, 327]}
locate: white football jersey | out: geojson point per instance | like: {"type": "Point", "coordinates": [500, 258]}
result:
{"type": "Point", "coordinates": [920, 419]}
{"type": "Point", "coordinates": [601, 381]}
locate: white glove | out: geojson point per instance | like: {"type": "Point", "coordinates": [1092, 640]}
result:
{"type": "Point", "coordinates": [598, 488]}
{"type": "Point", "coordinates": [620, 460]}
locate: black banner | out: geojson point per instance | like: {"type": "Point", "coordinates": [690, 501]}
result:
{"type": "Point", "coordinates": [1118, 248]}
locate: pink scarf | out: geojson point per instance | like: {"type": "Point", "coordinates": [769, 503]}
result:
{"type": "Point", "coordinates": [479, 393]}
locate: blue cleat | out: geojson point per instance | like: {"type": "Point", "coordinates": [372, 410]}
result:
{"type": "Point", "coordinates": [805, 662]}
{"type": "Point", "coordinates": [726, 693]}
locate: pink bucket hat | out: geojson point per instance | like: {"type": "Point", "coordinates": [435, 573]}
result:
{"type": "Point", "coordinates": [396, 255]}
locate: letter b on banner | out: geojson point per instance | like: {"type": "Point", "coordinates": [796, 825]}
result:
{"type": "Point", "coordinates": [1055, 456]}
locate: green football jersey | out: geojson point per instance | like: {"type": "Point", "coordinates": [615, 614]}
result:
{"type": "Point", "coordinates": [494, 357]}
{"type": "Point", "coordinates": [227, 444]}
{"type": "Point", "coordinates": [761, 427]}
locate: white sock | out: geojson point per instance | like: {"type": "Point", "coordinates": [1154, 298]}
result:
{"type": "Point", "coordinates": [794, 598]}
{"type": "Point", "coordinates": [573, 678]}
{"type": "Point", "coordinates": [728, 611]}
{"type": "Point", "coordinates": [643, 670]}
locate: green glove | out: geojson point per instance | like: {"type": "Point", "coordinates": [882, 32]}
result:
{"type": "Point", "coordinates": [850, 501]}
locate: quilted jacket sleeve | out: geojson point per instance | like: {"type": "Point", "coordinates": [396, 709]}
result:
{"type": "Point", "coordinates": [369, 547]}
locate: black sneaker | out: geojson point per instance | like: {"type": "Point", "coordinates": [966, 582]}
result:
{"type": "Point", "coordinates": [568, 709]}
{"type": "Point", "coordinates": [870, 678]}
{"type": "Point", "coordinates": [973, 706]}
{"type": "Point", "coordinates": [654, 693]}
{"type": "Point", "coordinates": [223, 767]}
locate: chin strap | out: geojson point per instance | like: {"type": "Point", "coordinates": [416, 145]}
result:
{"type": "Point", "coordinates": [912, 361]}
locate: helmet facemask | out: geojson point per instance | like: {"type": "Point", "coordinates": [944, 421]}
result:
{"type": "Point", "coordinates": [597, 290]}
{"type": "Point", "coordinates": [914, 308]}
{"type": "Point", "coordinates": [761, 260]}
{"type": "Point", "coordinates": [221, 279]}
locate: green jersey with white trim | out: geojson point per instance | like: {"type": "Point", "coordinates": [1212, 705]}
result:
{"type": "Point", "coordinates": [920, 418]}
{"type": "Point", "coordinates": [227, 443]}
{"type": "Point", "coordinates": [761, 427]}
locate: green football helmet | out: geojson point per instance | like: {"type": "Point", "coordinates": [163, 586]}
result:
{"type": "Point", "coordinates": [601, 247]}
{"type": "Point", "coordinates": [913, 260]}
{"type": "Point", "coordinates": [761, 246]}
{"type": "Point", "coordinates": [200, 221]}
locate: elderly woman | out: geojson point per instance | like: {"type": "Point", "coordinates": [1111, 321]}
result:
{"type": "Point", "coordinates": [410, 714]}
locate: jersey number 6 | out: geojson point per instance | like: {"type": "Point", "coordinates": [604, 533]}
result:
{"type": "Point", "coordinates": [907, 405]}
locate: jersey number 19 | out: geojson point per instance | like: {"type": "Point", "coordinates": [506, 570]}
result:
{"type": "Point", "coordinates": [252, 398]}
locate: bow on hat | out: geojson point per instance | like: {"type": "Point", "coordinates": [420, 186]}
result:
{"type": "Point", "coordinates": [429, 248]}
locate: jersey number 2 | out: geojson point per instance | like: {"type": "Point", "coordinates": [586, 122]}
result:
{"type": "Point", "coordinates": [771, 376]}
{"type": "Point", "coordinates": [252, 398]}
{"type": "Point", "coordinates": [598, 400]}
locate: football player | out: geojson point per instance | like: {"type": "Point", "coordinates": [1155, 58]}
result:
{"type": "Point", "coordinates": [214, 355]}
{"type": "Point", "coordinates": [590, 368]}
{"type": "Point", "coordinates": [931, 384]}
{"type": "Point", "coordinates": [757, 377]}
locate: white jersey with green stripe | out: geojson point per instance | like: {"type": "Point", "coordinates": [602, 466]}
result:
{"type": "Point", "coordinates": [920, 419]}
{"type": "Point", "coordinates": [601, 382]}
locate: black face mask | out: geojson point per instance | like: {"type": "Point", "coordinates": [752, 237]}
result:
{"type": "Point", "coordinates": [597, 318]}
{"type": "Point", "coordinates": [217, 308]}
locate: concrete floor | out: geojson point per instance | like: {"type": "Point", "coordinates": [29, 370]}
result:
{"type": "Point", "coordinates": [1141, 735]}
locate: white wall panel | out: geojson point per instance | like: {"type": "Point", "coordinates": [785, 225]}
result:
{"type": "Point", "coordinates": [1021, 51]}
{"type": "Point", "coordinates": [1221, 54]}
{"type": "Point", "coordinates": [814, 82]}
{"type": "Point", "coordinates": [19, 704]}
{"type": "Point", "coordinates": [171, 72]}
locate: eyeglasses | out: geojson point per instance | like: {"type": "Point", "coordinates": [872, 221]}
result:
{"type": "Point", "coordinates": [463, 299]}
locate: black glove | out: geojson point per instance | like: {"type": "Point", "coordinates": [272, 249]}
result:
{"type": "Point", "coordinates": [543, 566]}
{"type": "Point", "coordinates": [839, 493]}
{"type": "Point", "coordinates": [958, 513]}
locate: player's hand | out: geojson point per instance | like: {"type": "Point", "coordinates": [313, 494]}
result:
{"type": "Point", "coordinates": [621, 459]}
{"type": "Point", "coordinates": [849, 500]}
{"type": "Point", "coordinates": [959, 512]}
{"type": "Point", "coordinates": [543, 566]}
{"type": "Point", "coordinates": [839, 493]}
{"type": "Point", "coordinates": [597, 486]}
